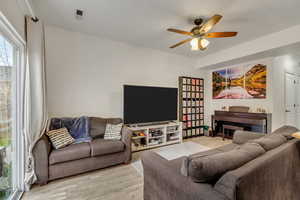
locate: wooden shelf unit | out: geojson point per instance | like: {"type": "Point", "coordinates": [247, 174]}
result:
{"type": "Point", "coordinates": [171, 133]}
{"type": "Point", "coordinates": [191, 106]}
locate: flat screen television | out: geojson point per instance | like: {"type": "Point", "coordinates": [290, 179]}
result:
{"type": "Point", "coordinates": [144, 104]}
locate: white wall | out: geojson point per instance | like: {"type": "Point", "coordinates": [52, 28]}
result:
{"type": "Point", "coordinates": [275, 101]}
{"type": "Point", "coordinates": [85, 74]}
{"type": "Point", "coordinates": [15, 15]}
{"type": "Point", "coordinates": [282, 64]}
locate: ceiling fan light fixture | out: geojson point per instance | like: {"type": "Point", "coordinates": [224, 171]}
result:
{"type": "Point", "coordinates": [200, 32]}
{"type": "Point", "coordinates": [195, 44]}
{"type": "Point", "coordinates": [199, 44]}
{"type": "Point", "coordinates": [204, 43]}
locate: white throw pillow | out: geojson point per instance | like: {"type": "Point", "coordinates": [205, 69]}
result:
{"type": "Point", "coordinates": [113, 131]}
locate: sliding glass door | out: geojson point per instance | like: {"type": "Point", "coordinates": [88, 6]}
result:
{"type": "Point", "coordinates": [11, 137]}
{"type": "Point", "coordinates": [7, 96]}
{"type": "Point", "coordinates": [7, 80]}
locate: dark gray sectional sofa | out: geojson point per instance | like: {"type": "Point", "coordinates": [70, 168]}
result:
{"type": "Point", "coordinates": [74, 159]}
{"type": "Point", "coordinates": [253, 167]}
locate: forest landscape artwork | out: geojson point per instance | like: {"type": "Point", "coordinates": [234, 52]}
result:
{"type": "Point", "coordinates": [240, 82]}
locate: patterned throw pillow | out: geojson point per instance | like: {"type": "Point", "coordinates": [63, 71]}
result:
{"type": "Point", "coordinates": [60, 138]}
{"type": "Point", "coordinates": [113, 131]}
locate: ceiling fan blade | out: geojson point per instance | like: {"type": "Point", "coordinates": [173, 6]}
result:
{"type": "Point", "coordinates": [180, 43]}
{"type": "Point", "coordinates": [179, 31]}
{"type": "Point", "coordinates": [220, 34]}
{"type": "Point", "coordinates": [210, 23]}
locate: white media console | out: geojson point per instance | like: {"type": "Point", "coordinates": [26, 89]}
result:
{"type": "Point", "coordinates": [151, 136]}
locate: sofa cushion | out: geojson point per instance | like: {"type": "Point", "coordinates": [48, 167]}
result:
{"type": "Point", "coordinates": [286, 131]}
{"type": "Point", "coordinates": [98, 125]}
{"type": "Point", "coordinates": [69, 153]}
{"type": "Point", "coordinates": [185, 162]}
{"type": "Point", "coordinates": [221, 149]}
{"type": "Point", "coordinates": [241, 137]}
{"type": "Point", "coordinates": [102, 147]}
{"type": "Point", "coordinates": [209, 168]}
{"type": "Point", "coordinates": [227, 147]}
{"type": "Point", "coordinates": [114, 120]}
{"type": "Point", "coordinates": [205, 153]}
{"type": "Point", "coordinates": [270, 141]}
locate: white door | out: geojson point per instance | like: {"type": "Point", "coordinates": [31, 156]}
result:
{"type": "Point", "coordinates": [297, 93]}
{"type": "Point", "coordinates": [291, 99]}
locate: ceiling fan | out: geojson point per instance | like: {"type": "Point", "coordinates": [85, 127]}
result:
{"type": "Point", "coordinates": [199, 33]}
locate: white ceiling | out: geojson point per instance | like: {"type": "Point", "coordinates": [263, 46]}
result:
{"type": "Point", "coordinates": [144, 22]}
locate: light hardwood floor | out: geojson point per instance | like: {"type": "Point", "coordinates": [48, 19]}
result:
{"type": "Point", "coordinates": [114, 183]}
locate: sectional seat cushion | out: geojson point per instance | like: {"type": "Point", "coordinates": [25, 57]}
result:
{"type": "Point", "coordinates": [211, 167]}
{"type": "Point", "coordinates": [69, 153]}
{"type": "Point", "coordinates": [270, 141]}
{"type": "Point", "coordinates": [102, 147]}
{"type": "Point", "coordinates": [286, 131]}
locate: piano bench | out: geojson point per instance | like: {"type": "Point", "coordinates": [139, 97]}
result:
{"type": "Point", "coordinates": [230, 127]}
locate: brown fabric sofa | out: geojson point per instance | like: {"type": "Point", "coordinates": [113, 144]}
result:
{"type": "Point", "coordinates": [273, 175]}
{"type": "Point", "coordinates": [74, 159]}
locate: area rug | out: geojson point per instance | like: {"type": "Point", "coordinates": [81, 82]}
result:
{"type": "Point", "coordinates": [172, 152]}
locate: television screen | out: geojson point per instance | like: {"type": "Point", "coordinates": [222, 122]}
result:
{"type": "Point", "coordinates": [149, 104]}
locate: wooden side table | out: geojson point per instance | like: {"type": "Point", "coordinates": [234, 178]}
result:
{"type": "Point", "coordinates": [230, 127]}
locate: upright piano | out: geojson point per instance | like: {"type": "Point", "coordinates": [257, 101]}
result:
{"type": "Point", "coordinates": [258, 122]}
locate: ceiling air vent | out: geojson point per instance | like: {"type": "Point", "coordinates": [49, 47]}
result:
{"type": "Point", "coordinates": [79, 14]}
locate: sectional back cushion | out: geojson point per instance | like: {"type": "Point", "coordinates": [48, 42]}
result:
{"type": "Point", "coordinates": [98, 126]}
{"type": "Point", "coordinates": [286, 131]}
{"type": "Point", "coordinates": [270, 141]}
{"type": "Point", "coordinates": [60, 138]}
{"type": "Point", "coordinates": [210, 168]}
{"type": "Point", "coordinates": [241, 137]}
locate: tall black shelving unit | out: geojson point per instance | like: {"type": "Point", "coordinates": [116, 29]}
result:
{"type": "Point", "coordinates": [191, 106]}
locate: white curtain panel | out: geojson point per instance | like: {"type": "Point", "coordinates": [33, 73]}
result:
{"type": "Point", "coordinates": [35, 94]}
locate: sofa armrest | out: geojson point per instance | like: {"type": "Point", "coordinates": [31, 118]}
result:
{"type": "Point", "coordinates": [162, 180]}
{"type": "Point", "coordinates": [273, 175]}
{"type": "Point", "coordinates": [126, 139]}
{"type": "Point", "coordinates": [41, 153]}
{"type": "Point", "coordinates": [241, 137]}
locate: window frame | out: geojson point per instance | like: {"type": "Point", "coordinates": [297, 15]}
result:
{"type": "Point", "coordinates": [18, 170]}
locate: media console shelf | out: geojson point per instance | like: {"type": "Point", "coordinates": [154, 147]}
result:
{"type": "Point", "coordinates": [152, 136]}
